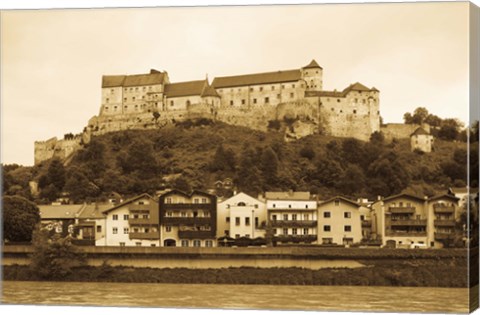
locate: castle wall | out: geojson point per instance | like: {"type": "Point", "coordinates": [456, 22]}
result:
{"type": "Point", "coordinates": [181, 102]}
{"type": "Point", "coordinates": [400, 131]}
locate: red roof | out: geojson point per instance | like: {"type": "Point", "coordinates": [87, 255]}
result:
{"type": "Point", "coordinates": [152, 78]}
{"type": "Point", "coordinates": [188, 88]}
{"type": "Point", "coordinates": [312, 64]}
{"type": "Point", "coordinates": [257, 78]}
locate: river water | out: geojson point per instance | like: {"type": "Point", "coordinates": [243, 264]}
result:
{"type": "Point", "coordinates": [319, 298]}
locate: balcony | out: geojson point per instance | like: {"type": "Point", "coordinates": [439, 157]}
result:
{"type": "Point", "coordinates": [141, 221]}
{"type": "Point", "coordinates": [406, 233]}
{"type": "Point", "coordinates": [144, 236]}
{"type": "Point", "coordinates": [186, 206]}
{"type": "Point", "coordinates": [295, 238]}
{"type": "Point", "coordinates": [186, 220]}
{"type": "Point", "coordinates": [294, 223]}
{"type": "Point", "coordinates": [366, 224]}
{"type": "Point", "coordinates": [440, 208]}
{"type": "Point", "coordinates": [408, 222]}
{"type": "Point", "coordinates": [402, 209]}
{"type": "Point", "coordinates": [444, 222]}
{"type": "Point", "coordinates": [443, 236]}
{"type": "Point", "coordinates": [139, 208]}
{"type": "Point", "coordinates": [196, 234]}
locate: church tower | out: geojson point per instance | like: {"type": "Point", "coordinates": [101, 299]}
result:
{"type": "Point", "coordinates": [312, 74]}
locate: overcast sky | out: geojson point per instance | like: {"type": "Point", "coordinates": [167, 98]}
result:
{"type": "Point", "coordinates": [52, 61]}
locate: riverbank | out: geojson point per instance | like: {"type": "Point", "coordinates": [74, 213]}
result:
{"type": "Point", "coordinates": [446, 272]}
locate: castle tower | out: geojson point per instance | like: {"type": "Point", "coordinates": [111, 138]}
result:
{"type": "Point", "coordinates": [313, 74]}
{"type": "Point", "coordinates": [210, 96]}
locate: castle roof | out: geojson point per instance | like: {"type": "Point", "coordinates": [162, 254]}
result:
{"type": "Point", "coordinates": [312, 64]}
{"type": "Point", "coordinates": [152, 78]}
{"type": "Point", "coordinates": [352, 87]}
{"type": "Point", "coordinates": [356, 87]}
{"type": "Point", "coordinates": [420, 131]}
{"type": "Point", "coordinates": [257, 78]}
{"type": "Point", "coordinates": [208, 90]}
{"type": "Point", "coordinates": [187, 88]}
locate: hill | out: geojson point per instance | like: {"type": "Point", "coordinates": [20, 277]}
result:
{"type": "Point", "coordinates": [195, 154]}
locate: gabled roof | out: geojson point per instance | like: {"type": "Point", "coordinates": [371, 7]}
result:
{"type": "Point", "coordinates": [188, 88]}
{"type": "Point", "coordinates": [339, 198]}
{"type": "Point", "coordinates": [287, 195]}
{"type": "Point", "coordinates": [179, 192]}
{"type": "Point", "coordinates": [242, 194]}
{"type": "Point", "coordinates": [404, 195]}
{"type": "Point", "coordinates": [352, 87]}
{"type": "Point", "coordinates": [312, 64]}
{"type": "Point", "coordinates": [257, 78]}
{"type": "Point", "coordinates": [153, 78]}
{"type": "Point", "coordinates": [356, 87]}
{"type": "Point", "coordinates": [458, 190]}
{"type": "Point", "coordinates": [419, 131]}
{"type": "Point", "coordinates": [208, 90]}
{"type": "Point", "coordinates": [93, 211]}
{"type": "Point", "coordinates": [446, 196]}
{"type": "Point", "coordinates": [145, 195]}
{"type": "Point", "coordinates": [49, 212]}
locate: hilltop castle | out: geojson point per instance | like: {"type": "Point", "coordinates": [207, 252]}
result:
{"type": "Point", "coordinates": [253, 100]}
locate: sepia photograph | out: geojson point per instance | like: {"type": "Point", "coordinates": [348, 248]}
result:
{"type": "Point", "coordinates": [285, 157]}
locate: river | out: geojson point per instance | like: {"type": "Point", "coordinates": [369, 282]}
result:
{"type": "Point", "coordinates": [319, 298]}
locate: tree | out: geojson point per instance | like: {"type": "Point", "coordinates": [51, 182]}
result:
{"type": "Point", "coordinates": [307, 152]}
{"type": "Point", "coordinates": [328, 171]}
{"type": "Point", "coordinates": [56, 174]}
{"type": "Point", "coordinates": [377, 137]}
{"type": "Point", "coordinates": [448, 132]}
{"type": "Point", "coordinates": [352, 180]}
{"type": "Point", "coordinates": [419, 116]}
{"type": "Point", "coordinates": [20, 216]}
{"type": "Point", "coordinates": [223, 160]}
{"type": "Point", "coordinates": [269, 167]}
{"type": "Point", "coordinates": [54, 257]}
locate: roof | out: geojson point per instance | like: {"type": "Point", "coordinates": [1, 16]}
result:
{"type": "Point", "coordinates": [287, 195]}
{"type": "Point", "coordinates": [443, 196]}
{"type": "Point", "coordinates": [145, 195]}
{"type": "Point", "coordinates": [153, 78]}
{"type": "Point", "coordinates": [208, 90]}
{"type": "Point", "coordinates": [357, 86]}
{"type": "Point", "coordinates": [339, 198]}
{"type": "Point", "coordinates": [419, 131]}
{"type": "Point", "coordinates": [179, 192]}
{"type": "Point", "coordinates": [352, 87]}
{"type": "Point", "coordinates": [257, 78]}
{"type": "Point", "coordinates": [242, 194]}
{"type": "Point", "coordinates": [93, 211]}
{"type": "Point", "coordinates": [48, 212]}
{"type": "Point", "coordinates": [405, 196]}
{"type": "Point", "coordinates": [458, 190]}
{"type": "Point", "coordinates": [312, 64]}
{"type": "Point", "coordinates": [187, 88]}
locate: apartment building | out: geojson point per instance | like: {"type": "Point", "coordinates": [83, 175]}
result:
{"type": "Point", "coordinates": [131, 223]}
{"type": "Point", "coordinates": [188, 220]}
{"type": "Point", "coordinates": [292, 217]}
{"type": "Point", "coordinates": [443, 213]}
{"type": "Point", "coordinates": [241, 216]}
{"type": "Point", "coordinates": [339, 221]}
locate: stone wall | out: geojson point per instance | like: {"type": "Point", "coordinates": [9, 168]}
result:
{"type": "Point", "coordinates": [401, 131]}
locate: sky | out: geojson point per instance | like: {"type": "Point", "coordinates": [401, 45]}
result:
{"type": "Point", "coordinates": [52, 61]}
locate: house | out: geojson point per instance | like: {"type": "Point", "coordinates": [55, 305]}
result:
{"type": "Point", "coordinates": [188, 219]}
{"type": "Point", "coordinates": [339, 221]}
{"type": "Point", "coordinates": [89, 225]}
{"type": "Point", "coordinates": [401, 220]}
{"type": "Point", "coordinates": [443, 213]}
{"type": "Point", "coordinates": [421, 140]}
{"type": "Point", "coordinates": [241, 216]}
{"type": "Point", "coordinates": [59, 218]}
{"type": "Point", "coordinates": [292, 217]}
{"type": "Point", "coordinates": [133, 222]}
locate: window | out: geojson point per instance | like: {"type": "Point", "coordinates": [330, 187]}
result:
{"type": "Point", "coordinates": [326, 214]}
{"type": "Point", "coordinates": [354, 111]}
{"type": "Point", "coordinates": [274, 217]}
{"type": "Point", "coordinates": [305, 217]}
{"type": "Point", "coordinates": [133, 98]}
{"type": "Point", "coordinates": [169, 213]}
{"type": "Point", "coordinates": [362, 217]}
{"type": "Point", "coordinates": [168, 200]}
{"type": "Point", "coordinates": [153, 245]}
{"type": "Point", "coordinates": [283, 86]}
{"type": "Point", "coordinates": [227, 219]}
{"type": "Point", "coordinates": [115, 217]}
{"type": "Point", "coordinates": [237, 235]}
{"type": "Point", "coordinates": [147, 230]}
{"type": "Point", "coordinates": [273, 88]}
{"type": "Point", "coordinates": [171, 103]}
{"type": "Point", "coordinates": [338, 100]}
{"type": "Point", "coordinates": [197, 243]}
{"type": "Point", "coordinates": [256, 222]}
{"type": "Point", "coordinates": [254, 101]}
{"type": "Point", "coordinates": [293, 86]}
{"type": "Point", "coordinates": [125, 99]}
{"type": "Point", "coordinates": [99, 229]}
{"type": "Point", "coordinates": [122, 244]}
{"type": "Point", "coordinates": [125, 231]}
{"type": "Point", "coordinates": [305, 231]}
{"type": "Point", "coordinates": [294, 231]}
{"type": "Point", "coordinates": [327, 240]}
{"type": "Point", "coordinates": [251, 89]}
{"type": "Point", "coordinates": [184, 243]}
{"type": "Point", "coordinates": [112, 90]}
{"type": "Point", "coordinates": [196, 200]}
{"type": "Point", "coordinates": [247, 221]}
{"type": "Point", "coordinates": [294, 217]}
{"type": "Point", "coordinates": [347, 215]}
{"type": "Point", "coordinates": [285, 231]}
{"type": "Point", "coordinates": [231, 103]}
{"type": "Point", "coordinates": [337, 202]}
{"type": "Point", "coordinates": [145, 216]}
{"type": "Point", "coordinates": [187, 103]}
{"type": "Point", "coordinates": [115, 230]}
{"type": "Point", "coordinates": [285, 217]}
{"type": "Point", "coordinates": [125, 217]}
{"type": "Point", "coordinates": [168, 228]}
{"type": "Point", "coordinates": [208, 243]}
{"type": "Point", "coordinates": [279, 96]}
{"type": "Point", "coordinates": [237, 221]}
{"type": "Point", "coordinates": [107, 100]}
{"type": "Point", "coordinates": [292, 95]}
{"type": "Point", "coordinates": [243, 102]}
{"type": "Point", "coordinates": [204, 200]}
{"type": "Point", "coordinates": [347, 228]}
{"type": "Point", "coordinates": [326, 228]}
{"type": "Point", "coordinates": [247, 235]}
{"type": "Point", "coordinates": [138, 243]}
{"type": "Point", "coordinates": [261, 89]}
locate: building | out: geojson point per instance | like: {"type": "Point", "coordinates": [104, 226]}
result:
{"type": "Point", "coordinates": [421, 140]}
{"type": "Point", "coordinates": [188, 219]}
{"type": "Point", "coordinates": [150, 100]}
{"type": "Point", "coordinates": [60, 218]}
{"type": "Point", "coordinates": [292, 216]}
{"type": "Point", "coordinates": [405, 220]}
{"type": "Point", "coordinates": [241, 216]}
{"type": "Point", "coordinates": [461, 193]}
{"type": "Point", "coordinates": [339, 222]}
{"type": "Point", "coordinates": [133, 222]}
{"type": "Point", "coordinates": [90, 223]}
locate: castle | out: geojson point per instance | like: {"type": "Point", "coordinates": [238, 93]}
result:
{"type": "Point", "coordinates": [147, 101]}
